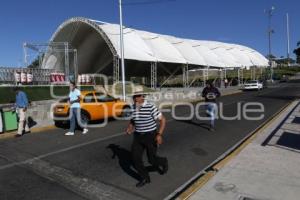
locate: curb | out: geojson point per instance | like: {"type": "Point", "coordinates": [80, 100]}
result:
{"type": "Point", "coordinates": [219, 163]}
{"type": "Point", "coordinates": [12, 134]}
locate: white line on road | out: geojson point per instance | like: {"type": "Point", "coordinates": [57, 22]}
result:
{"type": "Point", "coordinates": [64, 150]}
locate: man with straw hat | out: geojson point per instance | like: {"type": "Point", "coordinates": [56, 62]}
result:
{"type": "Point", "coordinates": [146, 136]}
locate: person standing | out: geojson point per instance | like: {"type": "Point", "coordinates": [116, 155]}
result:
{"type": "Point", "coordinates": [74, 101]}
{"type": "Point", "coordinates": [226, 82]}
{"type": "Point", "coordinates": [146, 137]}
{"type": "Point", "coordinates": [211, 93]}
{"type": "Point", "coordinates": [21, 108]}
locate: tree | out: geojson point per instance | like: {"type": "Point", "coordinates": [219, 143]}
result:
{"type": "Point", "coordinates": [35, 64]}
{"type": "Point", "coordinates": [270, 56]}
{"type": "Point", "coordinates": [297, 52]}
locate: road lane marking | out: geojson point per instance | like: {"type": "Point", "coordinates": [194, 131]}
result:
{"type": "Point", "coordinates": [61, 150]}
{"type": "Point", "coordinates": [65, 149]}
{"type": "Point", "coordinates": [83, 186]}
{"type": "Point", "coordinates": [74, 146]}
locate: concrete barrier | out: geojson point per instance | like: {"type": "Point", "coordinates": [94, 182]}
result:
{"type": "Point", "coordinates": [39, 112]}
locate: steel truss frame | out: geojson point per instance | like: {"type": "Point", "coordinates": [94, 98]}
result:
{"type": "Point", "coordinates": [58, 47]}
{"type": "Point", "coordinates": [116, 69]}
{"type": "Point", "coordinates": [153, 75]}
{"type": "Point", "coordinates": [185, 75]}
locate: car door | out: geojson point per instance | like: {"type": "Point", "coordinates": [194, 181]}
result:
{"type": "Point", "coordinates": [105, 102]}
{"type": "Point", "coordinates": [89, 105]}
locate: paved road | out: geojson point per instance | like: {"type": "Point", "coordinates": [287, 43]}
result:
{"type": "Point", "coordinates": [83, 166]}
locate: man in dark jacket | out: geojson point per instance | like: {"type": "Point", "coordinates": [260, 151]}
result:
{"type": "Point", "coordinates": [211, 93]}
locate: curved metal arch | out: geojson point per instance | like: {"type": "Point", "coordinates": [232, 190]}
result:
{"type": "Point", "coordinates": [90, 23]}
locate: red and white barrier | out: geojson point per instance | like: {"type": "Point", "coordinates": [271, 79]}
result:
{"type": "Point", "coordinates": [88, 79]}
{"type": "Point", "coordinates": [84, 79]}
{"type": "Point", "coordinates": [17, 77]}
{"type": "Point", "coordinates": [29, 78]}
{"type": "Point", "coordinates": [57, 77]}
{"type": "Point", "coordinates": [23, 77]}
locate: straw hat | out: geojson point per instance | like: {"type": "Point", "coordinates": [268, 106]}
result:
{"type": "Point", "coordinates": [139, 91]}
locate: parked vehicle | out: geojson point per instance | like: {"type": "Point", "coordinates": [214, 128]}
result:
{"type": "Point", "coordinates": [253, 85]}
{"type": "Point", "coordinates": [94, 106]}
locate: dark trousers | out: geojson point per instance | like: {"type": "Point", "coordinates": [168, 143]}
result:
{"type": "Point", "coordinates": [140, 143]}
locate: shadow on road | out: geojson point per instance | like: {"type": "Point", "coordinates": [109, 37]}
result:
{"type": "Point", "coordinates": [290, 140]}
{"type": "Point", "coordinates": [66, 124]}
{"type": "Point", "coordinates": [279, 97]}
{"type": "Point", "coordinates": [125, 160]}
{"type": "Point", "coordinates": [31, 122]}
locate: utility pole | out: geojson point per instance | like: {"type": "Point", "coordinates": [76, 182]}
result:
{"type": "Point", "coordinates": [122, 51]}
{"type": "Point", "coordinates": [288, 38]}
{"type": "Point", "coordinates": [270, 32]}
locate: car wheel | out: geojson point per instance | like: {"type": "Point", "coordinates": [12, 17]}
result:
{"type": "Point", "coordinates": [85, 117]}
{"type": "Point", "coordinates": [126, 112]}
{"type": "Point", "coordinates": [61, 123]}
{"type": "Point", "coordinates": [58, 123]}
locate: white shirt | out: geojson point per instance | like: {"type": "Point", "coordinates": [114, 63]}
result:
{"type": "Point", "coordinates": [74, 96]}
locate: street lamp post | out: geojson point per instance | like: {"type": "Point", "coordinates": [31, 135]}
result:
{"type": "Point", "coordinates": [270, 31]}
{"type": "Point", "coordinates": [288, 38]}
{"type": "Point", "coordinates": [122, 51]}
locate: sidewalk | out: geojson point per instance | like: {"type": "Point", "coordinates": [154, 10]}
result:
{"type": "Point", "coordinates": [267, 169]}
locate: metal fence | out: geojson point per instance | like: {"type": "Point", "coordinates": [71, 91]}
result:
{"type": "Point", "coordinates": [39, 76]}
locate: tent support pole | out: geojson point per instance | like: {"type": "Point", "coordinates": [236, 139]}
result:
{"type": "Point", "coordinates": [116, 69]}
{"type": "Point", "coordinates": [222, 77]}
{"type": "Point", "coordinates": [203, 77]}
{"type": "Point", "coordinates": [242, 76]}
{"type": "Point", "coordinates": [153, 75]}
{"type": "Point", "coordinates": [75, 65]}
{"type": "Point", "coordinates": [239, 76]}
{"type": "Point", "coordinates": [206, 75]}
{"type": "Point", "coordinates": [185, 78]}
{"type": "Point", "coordinates": [67, 66]}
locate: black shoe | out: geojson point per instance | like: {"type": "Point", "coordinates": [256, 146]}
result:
{"type": "Point", "coordinates": [143, 182]}
{"type": "Point", "coordinates": [165, 168]}
{"type": "Point", "coordinates": [18, 135]}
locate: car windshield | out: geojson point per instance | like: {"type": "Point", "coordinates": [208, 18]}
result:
{"type": "Point", "coordinates": [65, 100]}
{"type": "Point", "coordinates": [251, 82]}
{"type": "Point", "coordinates": [101, 97]}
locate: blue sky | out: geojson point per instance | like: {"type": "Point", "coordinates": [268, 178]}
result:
{"type": "Point", "coordinates": [235, 21]}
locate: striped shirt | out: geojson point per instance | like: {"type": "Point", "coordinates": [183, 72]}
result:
{"type": "Point", "coordinates": [144, 118]}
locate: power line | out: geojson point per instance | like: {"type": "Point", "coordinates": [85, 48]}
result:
{"type": "Point", "coordinates": [147, 2]}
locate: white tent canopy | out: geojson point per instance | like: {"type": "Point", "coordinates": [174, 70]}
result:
{"type": "Point", "coordinates": [152, 47]}
{"type": "Point", "coordinates": [171, 49]}
{"type": "Point", "coordinates": [189, 53]}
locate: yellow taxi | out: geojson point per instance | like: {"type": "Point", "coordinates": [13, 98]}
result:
{"type": "Point", "coordinates": [94, 106]}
